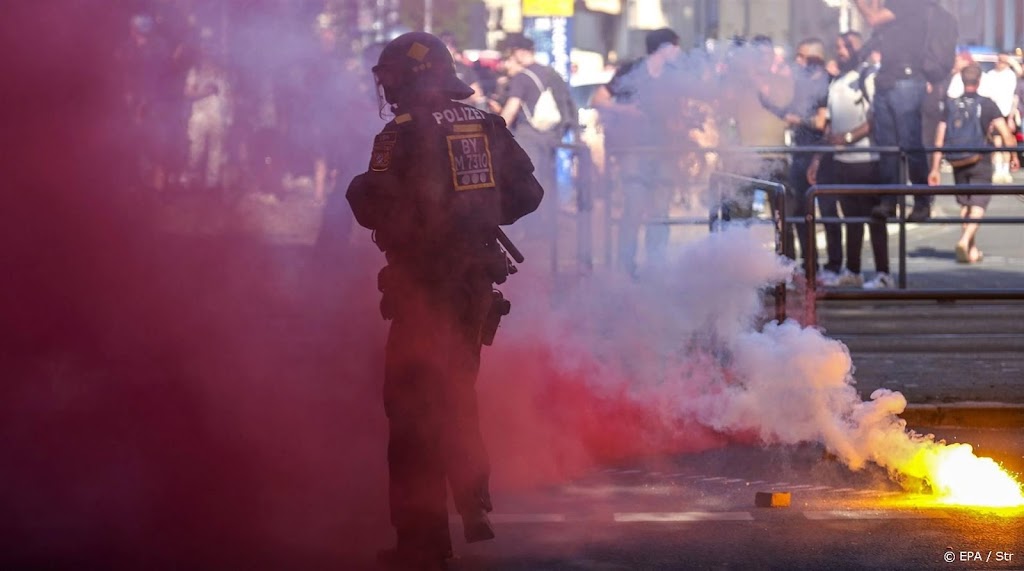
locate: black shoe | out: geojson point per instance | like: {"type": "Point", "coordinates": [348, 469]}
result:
{"type": "Point", "coordinates": [883, 211]}
{"type": "Point", "coordinates": [477, 527]}
{"type": "Point", "coordinates": [919, 214]}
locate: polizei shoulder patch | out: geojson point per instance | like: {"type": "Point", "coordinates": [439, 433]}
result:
{"type": "Point", "coordinates": [470, 156]}
{"type": "Point", "coordinates": [383, 145]}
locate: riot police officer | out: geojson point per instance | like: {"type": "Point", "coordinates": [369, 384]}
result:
{"type": "Point", "coordinates": [442, 177]}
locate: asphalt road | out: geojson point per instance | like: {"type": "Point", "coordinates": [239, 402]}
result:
{"type": "Point", "coordinates": [697, 512]}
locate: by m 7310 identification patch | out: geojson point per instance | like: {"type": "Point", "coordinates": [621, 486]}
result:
{"type": "Point", "coordinates": [470, 156]}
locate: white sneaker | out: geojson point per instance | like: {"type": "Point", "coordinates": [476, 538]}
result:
{"type": "Point", "coordinates": [881, 281]}
{"type": "Point", "coordinates": [828, 278]}
{"type": "Point", "coordinates": [1002, 178]}
{"type": "Point", "coordinates": [850, 279]}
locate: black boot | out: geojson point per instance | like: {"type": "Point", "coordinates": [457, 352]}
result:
{"type": "Point", "coordinates": [920, 212]}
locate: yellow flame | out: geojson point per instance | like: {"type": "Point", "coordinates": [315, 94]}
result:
{"type": "Point", "coordinates": [959, 477]}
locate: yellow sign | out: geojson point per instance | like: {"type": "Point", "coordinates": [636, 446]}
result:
{"type": "Point", "coordinates": [554, 8]}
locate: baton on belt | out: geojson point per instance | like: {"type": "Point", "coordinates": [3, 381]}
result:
{"type": "Point", "coordinates": [510, 247]}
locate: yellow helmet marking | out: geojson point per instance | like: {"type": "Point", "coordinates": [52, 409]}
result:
{"type": "Point", "coordinates": [418, 51]}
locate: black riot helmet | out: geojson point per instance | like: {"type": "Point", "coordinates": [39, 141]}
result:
{"type": "Point", "coordinates": [415, 63]}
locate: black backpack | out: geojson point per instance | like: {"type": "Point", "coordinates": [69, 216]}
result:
{"type": "Point", "coordinates": [939, 43]}
{"type": "Point", "coordinates": [964, 129]}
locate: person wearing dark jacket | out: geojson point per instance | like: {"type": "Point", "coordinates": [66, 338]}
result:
{"type": "Point", "coordinates": [899, 34]}
{"type": "Point", "coordinates": [442, 177]}
{"type": "Point", "coordinates": [805, 114]}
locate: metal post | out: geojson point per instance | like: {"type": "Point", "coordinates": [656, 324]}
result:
{"type": "Point", "coordinates": [904, 179]}
{"type": "Point", "coordinates": [779, 203]}
{"type": "Point", "coordinates": [553, 210]}
{"type": "Point", "coordinates": [811, 265]}
{"type": "Point", "coordinates": [610, 229]}
{"type": "Point", "coordinates": [584, 210]}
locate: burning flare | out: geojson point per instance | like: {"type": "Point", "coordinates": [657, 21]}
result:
{"type": "Point", "coordinates": [959, 477]}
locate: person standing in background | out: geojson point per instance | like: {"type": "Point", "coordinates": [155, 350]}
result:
{"type": "Point", "coordinates": [805, 114]}
{"type": "Point", "coordinates": [206, 86]}
{"type": "Point", "coordinates": [849, 111]}
{"type": "Point", "coordinates": [900, 30]}
{"type": "Point", "coordinates": [1000, 85]}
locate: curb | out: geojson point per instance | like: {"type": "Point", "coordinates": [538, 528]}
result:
{"type": "Point", "coordinates": [965, 415]}
{"type": "Point", "coordinates": [933, 343]}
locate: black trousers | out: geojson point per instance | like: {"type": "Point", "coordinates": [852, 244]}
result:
{"type": "Point", "coordinates": [836, 172]}
{"type": "Point", "coordinates": [796, 207]}
{"type": "Point", "coordinates": [431, 365]}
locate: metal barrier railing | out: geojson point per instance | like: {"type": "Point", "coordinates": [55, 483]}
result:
{"type": "Point", "coordinates": [782, 222]}
{"type": "Point", "coordinates": [778, 209]}
{"type": "Point", "coordinates": [813, 294]}
{"type": "Point", "coordinates": [584, 204]}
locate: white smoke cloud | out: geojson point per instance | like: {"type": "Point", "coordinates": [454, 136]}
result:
{"type": "Point", "coordinates": [693, 341]}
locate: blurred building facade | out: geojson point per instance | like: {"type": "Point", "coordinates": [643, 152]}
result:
{"type": "Point", "coordinates": [616, 28]}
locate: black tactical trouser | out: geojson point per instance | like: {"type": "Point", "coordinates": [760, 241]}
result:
{"type": "Point", "coordinates": [432, 361]}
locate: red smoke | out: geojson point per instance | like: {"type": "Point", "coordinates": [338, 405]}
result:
{"type": "Point", "coordinates": [544, 425]}
{"type": "Point", "coordinates": [214, 401]}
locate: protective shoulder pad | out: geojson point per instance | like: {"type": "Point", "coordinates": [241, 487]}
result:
{"type": "Point", "coordinates": [496, 120]}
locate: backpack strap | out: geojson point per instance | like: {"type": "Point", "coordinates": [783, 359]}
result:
{"type": "Point", "coordinates": [866, 71]}
{"type": "Point", "coordinates": [533, 76]}
{"type": "Point", "coordinates": [540, 90]}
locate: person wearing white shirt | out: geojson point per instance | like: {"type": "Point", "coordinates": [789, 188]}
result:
{"type": "Point", "coordinates": [999, 85]}
{"type": "Point", "coordinates": [849, 110]}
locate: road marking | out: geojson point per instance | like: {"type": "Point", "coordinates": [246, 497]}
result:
{"type": "Point", "coordinates": [733, 481]}
{"type": "Point", "coordinates": [714, 479]}
{"type": "Point", "coordinates": [843, 490]}
{"type": "Point", "coordinates": [874, 514]}
{"type": "Point", "coordinates": [526, 518]}
{"type": "Point", "coordinates": [681, 516]}
{"type": "Point", "coordinates": [631, 471]}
